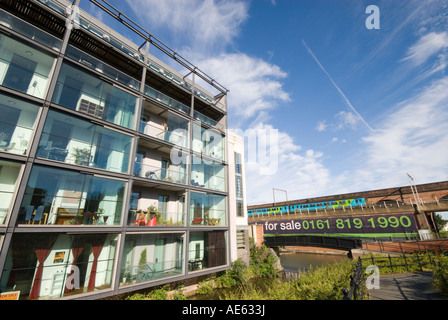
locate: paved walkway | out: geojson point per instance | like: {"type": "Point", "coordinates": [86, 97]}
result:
{"type": "Point", "coordinates": [410, 286]}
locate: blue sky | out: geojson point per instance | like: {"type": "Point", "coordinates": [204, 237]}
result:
{"type": "Point", "coordinates": [355, 109]}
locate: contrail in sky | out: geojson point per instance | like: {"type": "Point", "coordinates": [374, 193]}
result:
{"type": "Point", "coordinates": [336, 86]}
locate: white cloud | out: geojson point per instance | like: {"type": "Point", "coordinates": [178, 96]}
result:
{"type": "Point", "coordinates": [347, 120]}
{"type": "Point", "coordinates": [321, 126]}
{"type": "Point", "coordinates": [426, 47]}
{"type": "Point", "coordinates": [255, 85]}
{"type": "Point", "coordinates": [203, 24]}
{"type": "Point", "coordinates": [412, 139]}
{"type": "Point", "coordinates": [300, 173]}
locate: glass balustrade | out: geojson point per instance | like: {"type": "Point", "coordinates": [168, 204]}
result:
{"type": "Point", "coordinates": [16, 124]}
{"type": "Point", "coordinates": [149, 257]}
{"type": "Point", "coordinates": [80, 91]}
{"type": "Point", "coordinates": [174, 174]}
{"type": "Point", "coordinates": [207, 209]}
{"type": "Point", "coordinates": [101, 67]}
{"type": "Point", "coordinates": [24, 68]}
{"type": "Point", "coordinates": [29, 31]}
{"type": "Point", "coordinates": [75, 141]}
{"type": "Point", "coordinates": [64, 197]}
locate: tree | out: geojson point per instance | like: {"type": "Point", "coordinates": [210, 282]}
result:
{"type": "Point", "coordinates": [439, 221]}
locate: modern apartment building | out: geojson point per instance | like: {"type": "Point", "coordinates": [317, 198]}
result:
{"type": "Point", "coordinates": [115, 173]}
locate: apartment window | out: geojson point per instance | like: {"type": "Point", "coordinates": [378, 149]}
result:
{"type": "Point", "coordinates": [9, 174]}
{"type": "Point", "coordinates": [53, 265]}
{"type": "Point", "coordinates": [23, 68]}
{"type": "Point", "coordinates": [208, 142]}
{"type": "Point", "coordinates": [29, 31]}
{"type": "Point", "coordinates": [206, 249]}
{"type": "Point", "coordinates": [207, 209]}
{"type": "Point", "coordinates": [149, 208]}
{"type": "Point", "coordinates": [75, 141]}
{"type": "Point", "coordinates": [207, 174]}
{"type": "Point", "coordinates": [78, 90]}
{"type": "Point", "coordinates": [16, 124]}
{"type": "Point", "coordinates": [149, 257]}
{"type": "Point", "coordinates": [239, 185]}
{"type": "Point", "coordinates": [166, 126]}
{"type": "Point", "coordinates": [157, 166]}
{"type": "Point", "coordinates": [62, 197]}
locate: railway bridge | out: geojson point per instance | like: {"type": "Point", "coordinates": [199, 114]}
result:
{"type": "Point", "coordinates": [394, 213]}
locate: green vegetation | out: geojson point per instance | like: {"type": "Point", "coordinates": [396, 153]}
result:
{"type": "Point", "coordinates": [260, 280]}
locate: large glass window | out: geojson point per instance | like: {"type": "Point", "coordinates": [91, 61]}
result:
{"type": "Point", "coordinates": [29, 31]}
{"type": "Point", "coordinates": [87, 94]}
{"type": "Point", "coordinates": [164, 125]}
{"type": "Point", "coordinates": [208, 142]}
{"type": "Point", "coordinates": [153, 165]}
{"type": "Point", "coordinates": [156, 207]}
{"type": "Point", "coordinates": [48, 266]}
{"type": "Point", "coordinates": [207, 209]}
{"type": "Point", "coordinates": [239, 185]}
{"type": "Point", "coordinates": [206, 249]}
{"type": "Point", "coordinates": [77, 141]}
{"type": "Point", "coordinates": [9, 173]}
{"type": "Point", "coordinates": [207, 174]}
{"type": "Point", "coordinates": [62, 197]}
{"type": "Point", "coordinates": [16, 124]}
{"type": "Point", "coordinates": [23, 68]}
{"type": "Point", "coordinates": [149, 257]}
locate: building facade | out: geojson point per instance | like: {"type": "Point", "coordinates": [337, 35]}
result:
{"type": "Point", "coordinates": [114, 168]}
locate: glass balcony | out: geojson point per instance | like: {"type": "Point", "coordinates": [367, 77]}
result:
{"type": "Point", "coordinates": [9, 175]}
{"type": "Point", "coordinates": [24, 68]}
{"type": "Point", "coordinates": [207, 175]}
{"type": "Point", "coordinates": [208, 142]}
{"type": "Point", "coordinates": [200, 117]}
{"type": "Point", "coordinates": [71, 140]}
{"type": "Point", "coordinates": [16, 124]}
{"type": "Point", "coordinates": [80, 91]}
{"type": "Point", "coordinates": [54, 256]}
{"type": "Point", "coordinates": [207, 209]}
{"type": "Point", "coordinates": [63, 197]}
{"type": "Point", "coordinates": [150, 207]}
{"type": "Point", "coordinates": [29, 31]}
{"type": "Point", "coordinates": [101, 67]}
{"type": "Point", "coordinates": [149, 257]}
{"type": "Point", "coordinates": [174, 174]}
{"type": "Point", "coordinates": [167, 101]}
{"type": "Point", "coordinates": [179, 137]}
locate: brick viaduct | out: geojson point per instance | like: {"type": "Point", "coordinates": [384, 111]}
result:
{"type": "Point", "coordinates": [423, 202]}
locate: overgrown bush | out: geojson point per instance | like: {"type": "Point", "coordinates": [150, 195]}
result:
{"type": "Point", "coordinates": [263, 262]}
{"type": "Point", "coordinates": [441, 275]}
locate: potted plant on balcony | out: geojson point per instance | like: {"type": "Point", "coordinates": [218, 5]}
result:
{"type": "Point", "coordinates": [82, 156]}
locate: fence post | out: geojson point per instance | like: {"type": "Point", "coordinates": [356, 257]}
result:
{"type": "Point", "coordinates": [419, 263]}
{"type": "Point", "coordinates": [390, 262]}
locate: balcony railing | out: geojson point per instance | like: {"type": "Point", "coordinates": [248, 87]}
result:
{"type": "Point", "coordinates": [164, 99]}
{"type": "Point", "coordinates": [173, 174]}
{"type": "Point", "coordinates": [178, 137]}
{"type": "Point", "coordinates": [29, 31]}
{"type": "Point", "coordinates": [150, 271]}
{"type": "Point", "coordinates": [141, 218]}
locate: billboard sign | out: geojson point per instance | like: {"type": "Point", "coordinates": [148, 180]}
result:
{"type": "Point", "coordinates": [359, 226]}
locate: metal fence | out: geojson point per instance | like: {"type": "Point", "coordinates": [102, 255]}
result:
{"type": "Point", "coordinates": [426, 255]}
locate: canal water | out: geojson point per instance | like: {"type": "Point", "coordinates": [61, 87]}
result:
{"type": "Point", "coordinates": [303, 261]}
